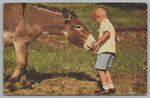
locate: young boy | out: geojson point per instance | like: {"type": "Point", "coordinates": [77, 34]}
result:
{"type": "Point", "coordinates": [105, 49]}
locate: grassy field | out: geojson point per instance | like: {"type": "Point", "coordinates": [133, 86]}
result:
{"type": "Point", "coordinates": [53, 61]}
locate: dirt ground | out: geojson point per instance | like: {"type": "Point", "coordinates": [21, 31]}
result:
{"type": "Point", "coordinates": [79, 84]}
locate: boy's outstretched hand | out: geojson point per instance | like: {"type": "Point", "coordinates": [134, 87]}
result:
{"type": "Point", "coordinates": [95, 50]}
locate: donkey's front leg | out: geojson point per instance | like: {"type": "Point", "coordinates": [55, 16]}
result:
{"type": "Point", "coordinates": [21, 61]}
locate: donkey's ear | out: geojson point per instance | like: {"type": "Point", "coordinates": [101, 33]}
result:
{"type": "Point", "coordinates": [66, 13]}
{"type": "Point", "coordinates": [73, 14]}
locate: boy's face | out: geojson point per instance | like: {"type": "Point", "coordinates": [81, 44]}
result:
{"type": "Point", "coordinates": [100, 14]}
{"type": "Point", "coordinates": [98, 18]}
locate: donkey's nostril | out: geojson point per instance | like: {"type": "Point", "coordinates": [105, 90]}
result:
{"type": "Point", "coordinates": [90, 48]}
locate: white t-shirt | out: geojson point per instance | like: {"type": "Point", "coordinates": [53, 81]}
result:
{"type": "Point", "coordinates": [108, 45]}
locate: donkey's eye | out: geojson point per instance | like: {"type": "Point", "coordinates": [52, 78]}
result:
{"type": "Point", "coordinates": [79, 27]}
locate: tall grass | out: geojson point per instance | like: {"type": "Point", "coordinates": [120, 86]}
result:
{"type": "Point", "coordinates": [62, 58]}
{"type": "Point", "coordinates": [65, 58]}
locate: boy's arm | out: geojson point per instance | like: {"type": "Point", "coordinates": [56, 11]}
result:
{"type": "Point", "coordinates": [101, 39]}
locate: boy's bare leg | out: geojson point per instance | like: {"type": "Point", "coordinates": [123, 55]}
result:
{"type": "Point", "coordinates": [103, 78]}
{"type": "Point", "coordinates": [109, 78]}
{"type": "Point", "coordinates": [108, 75]}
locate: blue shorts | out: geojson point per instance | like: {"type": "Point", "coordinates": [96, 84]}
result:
{"type": "Point", "coordinates": [104, 60]}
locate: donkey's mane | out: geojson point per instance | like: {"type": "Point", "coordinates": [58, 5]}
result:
{"type": "Point", "coordinates": [53, 8]}
{"type": "Point", "coordinates": [46, 7]}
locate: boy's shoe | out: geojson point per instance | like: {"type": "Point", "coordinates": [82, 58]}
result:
{"type": "Point", "coordinates": [112, 90]}
{"type": "Point", "coordinates": [103, 91]}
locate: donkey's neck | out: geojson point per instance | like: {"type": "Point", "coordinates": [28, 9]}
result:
{"type": "Point", "coordinates": [46, 20]}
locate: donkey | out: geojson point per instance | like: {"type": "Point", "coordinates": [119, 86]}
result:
{"type": "Point", "coordinates": [23, 23]}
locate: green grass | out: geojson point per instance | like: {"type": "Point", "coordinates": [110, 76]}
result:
{"type": "Point", "coordinates": [65, 58]}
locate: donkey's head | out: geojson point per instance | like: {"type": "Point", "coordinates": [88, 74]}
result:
{"type": "Point", "coordinates": [75, 32]}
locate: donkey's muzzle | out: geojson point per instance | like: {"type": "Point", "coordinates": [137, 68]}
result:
{"type": "Point", "coordinates": [89, 42]}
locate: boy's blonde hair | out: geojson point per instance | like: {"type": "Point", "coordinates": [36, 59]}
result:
{"type": "Point", "coordinates": [100, 11]}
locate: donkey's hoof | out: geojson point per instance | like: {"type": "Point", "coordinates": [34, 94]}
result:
{"type": "Point", "coordinates": [26, 85]}
{"type": "Point", "coordinates": [11, 88]}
